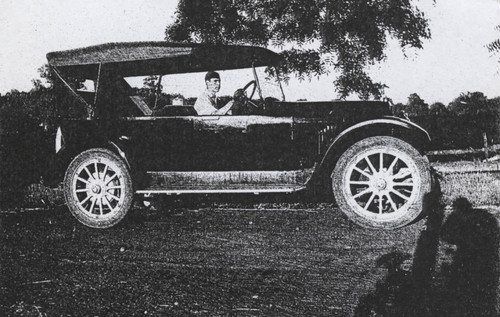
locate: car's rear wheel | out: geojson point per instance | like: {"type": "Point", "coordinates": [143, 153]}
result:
{"type": "Point", "coordinates": [98, 188]}
{"type": "Point", "coordinates": [380, 182]}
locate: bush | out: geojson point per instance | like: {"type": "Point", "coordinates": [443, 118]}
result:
{"type": "Point", "coordinates": [25, 147]}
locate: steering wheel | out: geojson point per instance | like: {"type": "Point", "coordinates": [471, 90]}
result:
{"type": "Point", "coordinates": [241, 93]}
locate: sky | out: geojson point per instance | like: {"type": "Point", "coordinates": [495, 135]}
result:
{"type": "Point", "coordinates": [454, 61]}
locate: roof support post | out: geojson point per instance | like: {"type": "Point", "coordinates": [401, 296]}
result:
{"type": "Point", "coordinates": [257, 81]}
{"type": "Point", "coordinates": [97, 82]}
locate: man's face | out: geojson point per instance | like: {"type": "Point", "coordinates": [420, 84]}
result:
{"type": "Point", "coordinates": [213, 85]}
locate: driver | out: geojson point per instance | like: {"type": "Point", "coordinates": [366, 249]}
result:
{"type": "Point", "coordinates": [206, 104]}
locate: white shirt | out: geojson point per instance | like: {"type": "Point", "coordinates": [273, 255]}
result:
{"type": "Point", "coordinates": [206, 104]}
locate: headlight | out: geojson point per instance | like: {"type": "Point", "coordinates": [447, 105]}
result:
{"type": "Point", "coordinates": [59, 139]}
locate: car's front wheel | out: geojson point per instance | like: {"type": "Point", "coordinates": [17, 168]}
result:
{"type": "Point", "coordinates": [380, 182]}
{"type": "Point", "coordinates": [98, 188]}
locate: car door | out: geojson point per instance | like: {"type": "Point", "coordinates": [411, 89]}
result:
{"type": "Point", "coordinates": [219, 143]}
{"type": "Point", "coordinates": [160, 143]}
{"type": "Point", "coordinates": [172, 141]}
{"type": "Point", "coordinates": [242, 143]}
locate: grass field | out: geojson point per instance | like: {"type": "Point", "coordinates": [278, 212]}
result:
{"type": "Point", "coordinates": [479, 182]}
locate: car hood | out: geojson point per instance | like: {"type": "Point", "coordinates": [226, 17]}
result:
{"type": "Point", "coordinates": [350, 110]}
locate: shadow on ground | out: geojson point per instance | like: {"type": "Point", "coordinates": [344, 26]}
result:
{"type": "Point", "coordinates": [454, 271]}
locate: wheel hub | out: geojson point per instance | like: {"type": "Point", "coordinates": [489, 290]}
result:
{"type": "Point", "coordinates": [96, 189]}
{"type": "Point", "coordinates": [380, 184]}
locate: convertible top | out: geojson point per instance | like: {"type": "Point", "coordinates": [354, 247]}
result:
{"type": "Point", "coordinates": [157, 58]}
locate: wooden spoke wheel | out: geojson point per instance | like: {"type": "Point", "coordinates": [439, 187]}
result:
{"type": "Point", "coordinates": [98, 188]}
{"type": "Point", "coordinates": [380, 182]}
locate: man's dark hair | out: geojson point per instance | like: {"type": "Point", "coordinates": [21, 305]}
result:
{"type": "Point", "coordinates": [211, 74]}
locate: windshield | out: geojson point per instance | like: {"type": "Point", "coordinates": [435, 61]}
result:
{"type": "Point", "coordinates": [269, 84]}
{"type": "Point", "coordinates": [189, 86]}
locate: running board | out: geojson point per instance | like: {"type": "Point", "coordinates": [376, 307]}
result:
{"type": "Point", "coordinates": [255, 191]}
{"type": "Point", "coordinates": [226, 182]}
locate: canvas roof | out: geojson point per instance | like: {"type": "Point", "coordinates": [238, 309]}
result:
{"type": "Point", "coordinates": [157, 58]}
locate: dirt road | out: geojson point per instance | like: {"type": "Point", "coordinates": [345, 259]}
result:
{"type": "Point", "coordinates": [254, 260]}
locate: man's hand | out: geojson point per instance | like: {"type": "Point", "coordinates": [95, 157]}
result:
{"type": "Point", "coordinates": [240, 96]}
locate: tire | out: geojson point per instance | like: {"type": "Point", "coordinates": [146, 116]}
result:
{"type": "Point", "coordinates": [98, 188]}
{"type": "Point", "coordinates": [386, 196]}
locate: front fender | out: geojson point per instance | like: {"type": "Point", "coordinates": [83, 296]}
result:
{"type": "Point", "coordinates": [387, 126]}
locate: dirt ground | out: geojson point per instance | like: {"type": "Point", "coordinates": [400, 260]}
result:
{"type": "Point", "coordinates": [254, 260]}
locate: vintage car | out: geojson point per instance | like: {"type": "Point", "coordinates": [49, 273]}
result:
{"type": "Point", "coordinates": [371, 162]}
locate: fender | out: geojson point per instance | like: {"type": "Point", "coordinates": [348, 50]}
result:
{"type": "Point", "coordinates": [115, 148]}
{"type": "Point", "coordinates": [121, 147]}
{"type": "Point", "coordinates": [388, 126]}
{"type": "Point", "coordinates": [79, 142]}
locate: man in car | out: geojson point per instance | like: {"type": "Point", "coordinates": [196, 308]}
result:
{"type": "Point", "coordinates": [206, 104]}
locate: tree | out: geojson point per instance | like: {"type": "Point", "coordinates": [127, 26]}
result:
{"type": "Point", "coordinates": [349, 35]}
{"type": "Point", "coordinates": [470, 104]}
{"type": "Point", "coordinates": [494, 47]}
{"type": "Point", "coordinates": [474, 115]}
{"type": "Point", "coordinates": [416, 106]}
{"type": "Point", "coordinates": [437, 108]}
{"type": "Point", "coordinates": [399, 110]}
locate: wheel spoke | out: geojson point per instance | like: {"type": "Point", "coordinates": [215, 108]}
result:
{"type": "Point", "coordinates": [393, 204]}
{"type": "Point", "coordinates": [82, 190]}
{"type": "Point", "coordinates": [100, 206]}
{"type": "Point", "coordinates": [85, 200]}
{"type": "Point", "coordinates": [106, 201]}
{"type": "Point", "coordinates": [350, 183]}
{"type": "Point", "coordinates": [88, 172]}
{"type": "Point", "coordinates": [367, 159]}
{"type": "Point", "coordinates": [92, 205]}
{"type": "Point", "coordinates": [400, 195]}
{"type": "Point", "coordinates": [114, 187]}
{"type": "Point", "coordinates": [362, 172]}
{"type": "Point", "coordinates": [403, 173]}
{"type": "Point", "coordinates": [111, 178]}
{"type": "Point", "coordinates": [363, 192]}
{"type": "Point", "coordinates": [104, 173]}
{"type": "Point", "coordinates": [96, 170]}
{"type": "Point", "coordinates": [83, 180]}
{"type": "Point", "coordinates": [369, 201]}
{"type": "Point", "coordinates": [380, 206]}
{"type": "Point", "coordinates": [391, 167]}
{"type": "Point", "coordinates": [113, 196]}
{"type": "Point", "coordinates": [404, 184]}
{"type": "Point", "coordinates": [381, 163]}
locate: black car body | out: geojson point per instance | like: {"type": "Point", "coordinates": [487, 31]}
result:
{"type": "Point", "coordinates": [277, 147]}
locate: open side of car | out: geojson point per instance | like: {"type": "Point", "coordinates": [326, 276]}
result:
{"type": "Point", "coordinates": [371, 162]}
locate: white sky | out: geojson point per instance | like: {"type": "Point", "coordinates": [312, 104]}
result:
{"type": "Point", "coordinates": [455, 60]}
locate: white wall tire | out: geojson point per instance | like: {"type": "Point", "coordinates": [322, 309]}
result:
{"type": "Point", "coordinates": [98, 188]}
{"type": "Point", "coordinates": [381, 182]}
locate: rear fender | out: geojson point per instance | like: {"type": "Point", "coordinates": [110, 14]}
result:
{"type": "Point", "coordinates": [67, 151]}
{"type": "Point", "coordinates": [119, 148]}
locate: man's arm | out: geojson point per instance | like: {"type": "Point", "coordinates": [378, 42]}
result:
{"type": "Point", "coordinates": [204, 107]}
{"type": "Point", "coordinates": [224, 110]}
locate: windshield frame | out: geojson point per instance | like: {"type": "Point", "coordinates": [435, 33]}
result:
{"type": "Point", "coordinates": [274, 75]}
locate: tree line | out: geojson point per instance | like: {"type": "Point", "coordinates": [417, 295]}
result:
{"type": "Point", "coordinates": [459, 125]}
